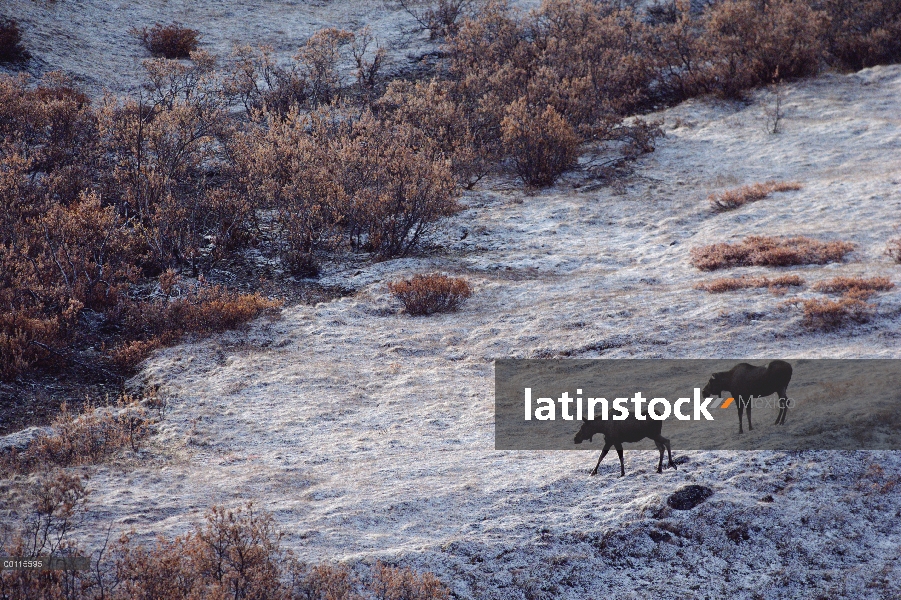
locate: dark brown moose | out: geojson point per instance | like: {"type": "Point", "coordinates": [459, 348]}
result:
{"type": "Point", "coordinates": [745, 381]}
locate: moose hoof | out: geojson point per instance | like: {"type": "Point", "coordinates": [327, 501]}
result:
{"type": "Point", "coordinates": [673, 465]}
{"type": "Point", "coordinates": [593, 473]}
{"type": "Point", "coordinates": [623, 474]}
{"type": "Point", "coordinates": [660, 470]}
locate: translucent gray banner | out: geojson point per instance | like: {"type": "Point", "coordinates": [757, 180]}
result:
{"type": "Point", "coordinates": [826, 405]}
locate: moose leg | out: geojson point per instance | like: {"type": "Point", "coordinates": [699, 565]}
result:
{"type": "Point", "coordinates": [783, 406]}
{"type": "Point", "coordinates": [660, 447]}
{"type": "Point", "coordinates": [669, 453]}
{"type": "Point", "coordinates": [622, 464]}
{"type": "Point", "coordinates": [603, 454]}
{"type": "Point", "coordinates": [749, 401]}
{"type": "Point", "coordinates": [741, 414]}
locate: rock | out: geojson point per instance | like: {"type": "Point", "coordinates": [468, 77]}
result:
{"type": "Point", "coordinates": [686, 498]}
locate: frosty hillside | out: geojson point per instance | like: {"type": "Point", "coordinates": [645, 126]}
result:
{"type": "Point", "coordinates": [260, 298]}
{"type": "Point", "coordinates": [254, 414]}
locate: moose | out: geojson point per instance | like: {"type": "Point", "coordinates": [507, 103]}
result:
{"type": "Point", "coordinates": [745, 381]}
{"type": "Point", "coordinates": [628, 431]}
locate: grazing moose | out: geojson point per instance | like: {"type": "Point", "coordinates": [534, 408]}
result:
{"type": "Point", "coordinates": [744, 381]}
{"type": "Point", "coordinates": [629, 430]}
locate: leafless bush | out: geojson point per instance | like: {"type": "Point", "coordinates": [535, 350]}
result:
{"type": "Point", "coordinates": [542, 144]}
{"type": "Point", "coordinates": [761, 251]}
{"type": "Point", "coordinates": [394, 583]}
{"type": "Point", "coordinates": [431, 108]}
{"type": "Point", "coordinates": [729, 284]}
{"type": "Point", "coordinates": [864, 33]}
{"type": "Point", "coordinates": [750, 193]}
{"type": "Point", "coordinates": [439, 17]}
{"type": "Point", "coordinates": [312, 78]}
{"type": "Point", "coordinates": [428, 294]}
{"type": "Point", "coordinates": [83, 438]}
{"type": "Point", "coordinates": [748, 40]}
{"type": "Point", "coordinates": [11, 48]}
{"type": "Point", "coordinates": [169, 41]}
{"type": "Point", "coordinates": [235, 554]}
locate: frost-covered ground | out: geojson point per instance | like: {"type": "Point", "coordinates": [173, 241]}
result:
{"type": "Point", "coordinates": [369, 434]}
{"type": "Point", "coordinates": [90, 39]}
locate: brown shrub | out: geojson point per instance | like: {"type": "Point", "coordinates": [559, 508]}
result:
{"type": "Point", "coordinates": [750, 193]}
{"type": "Point", "coordinates": [542, 144]}
{"type": "Point", "coordinates": [312, 78]}
{"type": "Point", "coordinates": [83, 439]}
{"type": "Point", "coordinates": [157, 165]}
{"type": "Point", "coordinates": [863, 33]}
{"type": "Point", "coordinates": [440, 17]}
{"type": "Point", "coordinates": [431, 108]}
{"type": "Point", "coordinates": [729, 284]}
{"type": "Point", "coordinates": [428, 294]}
{"type": "Point", "coordinates": [334, 178]}
{"type": "Point", "coordinates": [854, 287]}
{"type": "Point", "coordinates": [831, 314]}
{"type": "Point", "coordinates": [233, 554]}
{"type": "Point", "coordinates": [11, 48]}
{"type": "Point", "coordinates": [326, 582]}
{"type": "Point", "coordinates": [396, 182]}
{"type": "Point", "coordinates": [394, 583]}
{"type": "Point", "coordinates": [761, 251]}
{"type": "Point", "coordinates": [200, 309]}
{"type": "Point", "coordinates": [746, 41]}
{"type": "Point", "coordinates": [169, 41]}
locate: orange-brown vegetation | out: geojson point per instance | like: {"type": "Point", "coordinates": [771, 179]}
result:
{"type": "Point", "coordinates": [750, 193]}
{"type": "Point", "coordinates": [762, 251]}
{"type": "Point", "coordinates": [428, 294]}
{"type": "Point", "coordinates": [234, 554]}
{"type": "Point", "coordinates": [88, 437]}
{"type": "Point", "coordinates": [169, 41]}
{"type": "Point", "coordinates": [854, 287]}
{"type": "Point", "coordinates": [729, 284]}
{"type": "Point", "coordinates": [99, 198]}
{"type": "Point", "coordinates": [828, 314]}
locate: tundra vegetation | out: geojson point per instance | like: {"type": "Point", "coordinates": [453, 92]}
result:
{"type": "Point", "coordinates": [750, 193]}
{"type": "Point", "coordinates": [428, 294]}
{"type": "Point", "coordinates": [217, 154]}
{"type": "Point", "coordinates": [236, 554]}
{"type": "Point", "coordinates": [169, 41]}
{"type": "Point", "coordinates": [115, 212]}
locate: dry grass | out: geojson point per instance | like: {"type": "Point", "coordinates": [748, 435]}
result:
{"type": "Point", "coordinates": [750, 193]}
{"type": "Point", "coordinates": [761, 251]}
{"type": "Point", "coordinates": [428, 294]}
{"type": "Point", "coordinates": [729, 284]}
{"type": "Point", "coordinates": [169, 41]}
{"type": "Point", "coordinates": [854, 287]}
